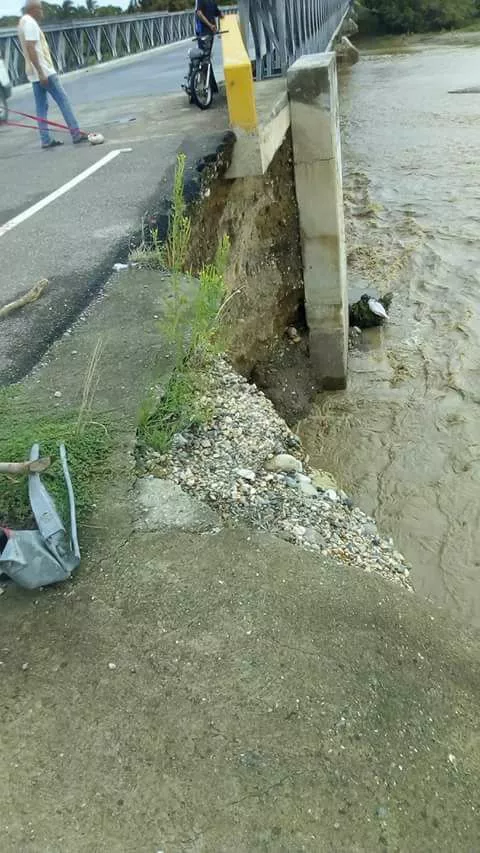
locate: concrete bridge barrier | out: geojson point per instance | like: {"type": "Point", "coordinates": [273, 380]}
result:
{"type": "Point", "coordinates": [313, 95]}
{"type": "Point", "coordinates": [261, 115]}
{"type": "Point", "coordinates": [242, 107]}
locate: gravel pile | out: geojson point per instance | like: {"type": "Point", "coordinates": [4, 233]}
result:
{"type": "Point", "coordinates": [247, 464]}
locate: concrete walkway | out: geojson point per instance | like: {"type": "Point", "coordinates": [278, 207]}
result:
{"type": "Point", "coordinates": [221, 693]}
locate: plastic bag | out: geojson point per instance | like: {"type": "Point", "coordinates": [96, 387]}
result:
{"type": "Point", "coordinates": [35, 558]}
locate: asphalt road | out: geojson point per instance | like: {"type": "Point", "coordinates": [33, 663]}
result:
{"type": "Point", "coordinates": [73, 241]}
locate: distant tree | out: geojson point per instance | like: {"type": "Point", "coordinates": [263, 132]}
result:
{"type": "Point", "coordinates": [167, 5]}
{"type": "Point", "coordinates": [67, 9]}
{"type": "Point", "coordinates": [51, 11]}
{"type": "Point", "coordinates": [410, 16]}
{"type": "Point", "coordinates": [91, 6]}
{"type": "Point", "coordinates": [108, 11]}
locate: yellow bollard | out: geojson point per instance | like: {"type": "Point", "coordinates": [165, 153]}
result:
{"type": "Point", "coordinates": [242, 108]}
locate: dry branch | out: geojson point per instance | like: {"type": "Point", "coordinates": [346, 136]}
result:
{"type": "Point", "coordinates": [31, 296]}
{"type": "Point", "coordinates": [34, 467]}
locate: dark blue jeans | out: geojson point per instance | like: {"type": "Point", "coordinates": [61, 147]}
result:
{"type": "Point", "coordinates": [57, 92]}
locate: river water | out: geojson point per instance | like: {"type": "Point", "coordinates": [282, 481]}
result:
{"type": "Point", "coordinates": [404, 438]}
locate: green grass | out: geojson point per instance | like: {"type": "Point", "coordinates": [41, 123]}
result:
{"type": "Point", "coordinates": [192, 325]}
{"type": "Point", "coordinates": [87, 449]}
{"type": "Point", "coordinates": [179, 408]}
{"type": "Point", "coordinates": [172, 254]}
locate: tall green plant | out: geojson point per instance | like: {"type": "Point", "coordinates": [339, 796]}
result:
{"type": "Point", "coordinates": [204, 338]}
{"type": "Point", "coordinates": [179, 232]}
{"type": "Point", "coordinates": [191, 324]}
{"type": "Point", "coordinates": [172, 254]}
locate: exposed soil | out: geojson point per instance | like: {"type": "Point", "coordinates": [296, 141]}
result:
{"type": "Point", "coordinates": [264, 276]}
{"type": "Point", "coordinates": [286, 379]}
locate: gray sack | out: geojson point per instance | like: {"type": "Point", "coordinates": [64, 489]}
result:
{"type": "Point", "coordinates": [35, 558]}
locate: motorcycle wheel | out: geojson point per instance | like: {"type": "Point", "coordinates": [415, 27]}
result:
{"type": "Point", "coordinates": [202, 93]}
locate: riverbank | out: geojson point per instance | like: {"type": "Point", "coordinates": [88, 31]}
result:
{"type": "Point", "coordinates": [249, 467]}
{"type": "Point", "coordinates": [409, 43]}
{"type": "Point", "coordinates": [378, 17]}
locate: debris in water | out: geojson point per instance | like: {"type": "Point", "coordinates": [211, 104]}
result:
{"type": "Point", "coordinates": [368, 311]}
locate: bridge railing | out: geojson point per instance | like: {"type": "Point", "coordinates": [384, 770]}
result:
{"type": "Point", "coordinates": [283, 30]}
{"type": "Point", "coordinates": [79, 43]}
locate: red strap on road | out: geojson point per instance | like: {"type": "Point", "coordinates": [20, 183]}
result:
{"type": "Point", "coordinates": [45, 120]}
{"type": "Point", "coordinates": [29, 126]}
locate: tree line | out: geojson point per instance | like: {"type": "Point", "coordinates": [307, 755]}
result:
{"type": "Point", "coordinates": [67, 10]}
{"type": "Point", "coordinates": [375, 16]}
{"type": "Point", "coordinates": [415, 16]}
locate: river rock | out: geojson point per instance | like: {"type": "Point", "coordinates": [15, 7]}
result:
{"type": "Point", "coordinates": [323, 480]}
{"type": "Point", "coordinates": [308, 490]}
{"type": "Point", "coordinates": [303, 478]}
{"type": "Point", "coordinates": [313, 537]}
{"type": "Point", "coordinates": [370, 529]}
{"type": "Point", "coordinates": [246, 474]}
{"type": "Point", "coordinates": [283, 462]}
{"type": "Point", "coordinates": [179, 441]}
{"type": "Point", "coordinates": [222, 469]}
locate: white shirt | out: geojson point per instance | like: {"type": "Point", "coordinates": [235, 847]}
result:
{"type": "Point", "coordinates": [28, 30]}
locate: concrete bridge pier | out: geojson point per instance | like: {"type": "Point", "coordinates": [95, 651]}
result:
{"type": "Point", "coordinates": [313, 95]}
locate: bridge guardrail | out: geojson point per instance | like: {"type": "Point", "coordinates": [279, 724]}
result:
{"type": "Point", "coordinates": [284, 30]}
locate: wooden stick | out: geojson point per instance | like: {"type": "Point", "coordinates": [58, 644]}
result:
{"type": "Point", "coordinates": [31, 296]}
{"type": "Point", "coordinates": [34, 467]}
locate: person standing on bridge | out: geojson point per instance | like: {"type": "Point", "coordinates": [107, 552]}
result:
{"type": "Point", "coordinates": [43, 77]}
{"type": "Point", "coordinates": [207, 13]}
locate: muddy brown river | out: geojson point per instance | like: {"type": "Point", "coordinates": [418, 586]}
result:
{"type": "Point", "coordinates": [404, 438]}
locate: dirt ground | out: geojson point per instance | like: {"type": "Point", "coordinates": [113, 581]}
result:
{"type": "Point", "coordinates": [286, 378]}
{"type": "Point", "coordinates": [229, 693]}
{"type": "Point", "coordinates": [264, 275]}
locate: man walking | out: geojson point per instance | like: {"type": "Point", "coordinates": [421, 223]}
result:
{"type": "Point", "coordinates": [41, 73]}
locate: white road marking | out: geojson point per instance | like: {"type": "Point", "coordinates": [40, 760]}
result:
{"type": "Point", "coordinates": [31, 211]}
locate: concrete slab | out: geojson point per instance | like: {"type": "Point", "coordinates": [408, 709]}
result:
{"type": "Point", "coordinates": [230, 693]}
{"type": "Point", "coordinates": [255, 150]}
{"type": "Point", "coordinates": [163, 507]}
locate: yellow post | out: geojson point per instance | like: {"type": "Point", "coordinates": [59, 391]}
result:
{"type": "Point", "coordinates": [242, 109]}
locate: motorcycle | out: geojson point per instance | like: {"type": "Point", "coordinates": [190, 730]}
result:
{"type": "Point", "coordinates": [201, 85]}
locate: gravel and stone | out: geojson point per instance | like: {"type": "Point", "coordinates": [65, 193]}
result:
{"type": "Point", "coordinates": [248, 465]}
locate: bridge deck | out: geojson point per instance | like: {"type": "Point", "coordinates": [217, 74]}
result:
{"type": "Point", "coordinates": [75, 239]}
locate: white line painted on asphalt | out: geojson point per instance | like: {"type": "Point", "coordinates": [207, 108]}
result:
{"type": "Point", "coordinates": [31, 211]}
